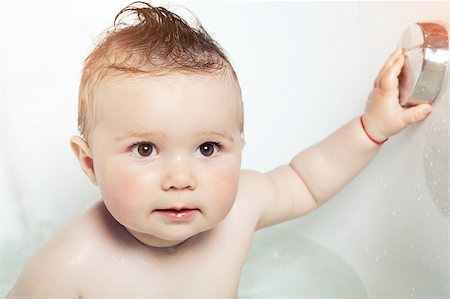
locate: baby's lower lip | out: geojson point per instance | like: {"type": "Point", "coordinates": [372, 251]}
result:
{"type": "Point", "coordinates": [177, 215]}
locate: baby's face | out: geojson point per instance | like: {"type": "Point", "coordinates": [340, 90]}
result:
{"type": "Point", "coordinates": [167, 153]}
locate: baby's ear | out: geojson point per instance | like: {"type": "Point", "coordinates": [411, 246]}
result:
{"type": "Point", "coordinates": [82, 152]}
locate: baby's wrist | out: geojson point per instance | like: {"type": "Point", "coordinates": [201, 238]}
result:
{"type": "Point", "coordinates": [371, 131]}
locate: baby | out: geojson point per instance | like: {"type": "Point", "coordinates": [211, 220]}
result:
{"type": "Point", "coordinates": [161, 123]}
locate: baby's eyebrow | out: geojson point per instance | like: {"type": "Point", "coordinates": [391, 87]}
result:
{"type": "Point", "coordinates": [151, 135]}
{"type": "Point", "coordinates": [218, 134]}
{"type": "Point", "coordinates": [139, 134]}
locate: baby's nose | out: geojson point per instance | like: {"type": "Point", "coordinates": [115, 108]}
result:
{"type": "Point", "coordinates": [179, 176]}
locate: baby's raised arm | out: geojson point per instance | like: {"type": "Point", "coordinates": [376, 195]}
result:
{"type": "Point", "coordinates": [317, 173]}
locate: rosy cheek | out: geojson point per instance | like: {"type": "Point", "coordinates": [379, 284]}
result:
{"type": "Point", "coordinates": [118, 189]}
{"type": "Point", "coordinates": [225, 185]}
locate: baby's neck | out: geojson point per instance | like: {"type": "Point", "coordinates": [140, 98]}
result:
{"type": "Point", "coordinates": [161, 245]}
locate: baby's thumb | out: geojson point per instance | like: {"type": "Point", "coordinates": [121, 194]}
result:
{"type": "Point", "coordinates": [416, 113]}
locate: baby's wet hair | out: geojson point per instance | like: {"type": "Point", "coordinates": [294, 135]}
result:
{"type": "Point", "coordinates": [147, 40]}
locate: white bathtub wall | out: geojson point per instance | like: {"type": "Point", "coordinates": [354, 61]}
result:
{"type": "Point", "coordinates": [305, 68]}
{"type": "Point", "coordinates": [43, 46]}
{"type": "Point", "coordinates": [396, 234]}
{"type": "Point", "coordinates": [392, 221]}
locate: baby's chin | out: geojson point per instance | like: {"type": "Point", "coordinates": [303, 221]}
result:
{"type": "Point", "coordinates": [167, 241]}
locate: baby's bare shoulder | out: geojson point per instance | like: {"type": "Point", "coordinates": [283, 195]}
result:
{"type": "Point", "coordinates": [254, 187]}
{"type": "Point", "coordinates": [54, 270]}
{"type": "Point", "coordinates": [254, 182]}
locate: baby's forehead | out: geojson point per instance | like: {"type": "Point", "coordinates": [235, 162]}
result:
{"type": "Point", "coordinates": [183, 89]}
{"type": "Point", "coordinates": [154, 101]}
{"type": "Point", "coordinates": [223, 82]}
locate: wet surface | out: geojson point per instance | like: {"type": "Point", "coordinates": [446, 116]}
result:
{"type": "Point", "coordinates": [282, 264]}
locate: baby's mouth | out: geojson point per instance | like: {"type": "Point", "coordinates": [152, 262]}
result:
{"type": "Point", "coordinates": [177, 214]}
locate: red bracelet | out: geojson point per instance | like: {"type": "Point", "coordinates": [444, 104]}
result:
{"type": "Point", "coordinates": [370, 137]}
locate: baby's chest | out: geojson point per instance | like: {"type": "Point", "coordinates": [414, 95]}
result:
{"type": "Point", "coordinates": [202, 281]}
{"type": "Point", "coordinates": [205, 277]}
{"type": "Point", "coordinates": [211, 271]}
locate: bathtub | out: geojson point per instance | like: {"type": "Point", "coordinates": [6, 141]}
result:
{"type": "Point", "coordinates": [305, 69]}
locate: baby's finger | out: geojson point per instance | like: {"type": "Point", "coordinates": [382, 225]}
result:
{"type": "Point", "coordinates": [415, 114]}
{"type": "Point", "coordinates": [391, 60]}
{"type": "Point", "coordinates": [393, 57]}
{"type": "Point", "coordinates": [405, 82]}
{"type": "Point", "coordinates": [389, 79]}
{"type": "Point", "coordinates": [387, 64]}
{"type": "Point", "coordinates": [415, 102]}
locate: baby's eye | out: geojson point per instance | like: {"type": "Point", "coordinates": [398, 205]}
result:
{"type": "Point", "coordinates": [208, 149]}
{"type": "Point", "coordinates": [144, 149]}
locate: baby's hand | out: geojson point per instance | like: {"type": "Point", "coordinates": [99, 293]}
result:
{"type": "Point", "coordinates": [384, 115]}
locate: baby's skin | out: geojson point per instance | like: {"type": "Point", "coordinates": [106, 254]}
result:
{"type": "Point", "coordinates": [177, 213]}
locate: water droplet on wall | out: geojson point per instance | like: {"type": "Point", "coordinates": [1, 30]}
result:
{"type": "Point", "coordinates": [275, 254]}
